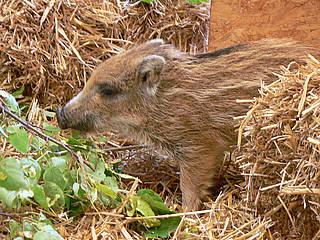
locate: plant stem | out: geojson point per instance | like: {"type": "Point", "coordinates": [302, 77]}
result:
{"type": "Point", "coordinates": [34, 130]}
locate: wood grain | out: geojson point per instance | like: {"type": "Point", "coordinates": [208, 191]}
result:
{"type": "Point", "coordinates": [238, 21]}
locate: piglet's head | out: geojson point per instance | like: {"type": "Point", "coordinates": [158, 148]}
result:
{"type": "Point", "coordinates": [118, 89]}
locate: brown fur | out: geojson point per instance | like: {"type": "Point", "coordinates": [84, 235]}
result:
{"type": "Point", "coordinates": [184, 107]}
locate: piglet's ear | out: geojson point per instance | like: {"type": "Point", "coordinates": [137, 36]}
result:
{"type": "Point", "coordinates": [149, 71]}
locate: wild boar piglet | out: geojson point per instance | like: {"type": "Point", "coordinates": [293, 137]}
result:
{"type": "Point", "coordinates": [181, 104]}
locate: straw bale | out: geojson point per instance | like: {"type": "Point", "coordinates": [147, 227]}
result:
{"type": "Point", "coordinates": [280, 156]}
{"type": "Point", "coordinates": [51, 46]}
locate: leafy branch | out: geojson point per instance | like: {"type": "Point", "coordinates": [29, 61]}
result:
{"type": "Point", "coordinates": [40, 175]}
{"type": "Point", "coordinates": [33, 129]}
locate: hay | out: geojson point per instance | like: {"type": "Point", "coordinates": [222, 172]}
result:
{"type": "Point", "coordinates": [51, 47]}
{"type": "Point", "coordinates": [223, 220]}
{"type": "Point", "coordinates": [227, 219]}
{"type": "Point", "coordinates": [280, 159]}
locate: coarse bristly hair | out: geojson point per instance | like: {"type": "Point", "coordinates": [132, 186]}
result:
{"type": "Point", "coordinates": [179, 103]}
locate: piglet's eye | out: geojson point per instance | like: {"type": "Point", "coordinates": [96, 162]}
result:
{"type": "Point", "coordinates": [108, 92]}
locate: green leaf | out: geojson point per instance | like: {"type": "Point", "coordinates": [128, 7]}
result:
{"type": "Point", "coordinates": [132, 206]}
{"type": "Point", "coordinates": [47, 233]}
{"type": "Point", "coordinates": [19, 139]}
{"type": "Point", "coordinates": [13, 128]}
{"type": "Point", "coordinates": [37, 143]}
{"type": "Point", "coordinates": [112, 183]}
{"type": "Point", "coordinates": [12, 175]}
{"type": "Point", "coordinates": [28, 229]}
{"type": "Point", "coordinates": [53, 146]}
{"type": "Point", "coordinates": [78, 190]}
{"type": "Point", "coordinates": [50, 114]}
{"type": "Point", "coordinates": [2, 132]}
{"type": "Point", "coordinates": [92, 193]}
{"type": "Point", "coordinates": [61, 162]}
{"type": "Point", "coordinates": [154, 200]}
{"type": "Point", "coordinates": [50, 130]}
{"type": "Point", "coordinates": [40, 196]}
{"type": "Point", "coordinates": [166, 227]}
{"type": "Point", "coordinates": [106, 191]}
{"type": "Point", "coordinates": [54, 174]}
{"type": "Point", "coordinates": [9, 199]}
{"type": "Point", "coordinates": [109, 191]}
{"type": "Point", "coordinates": [15, 228]}
{"type": "Point", "coordinates": [44, 220]}
{"type": "Point", "coordinates": [25, 194]}
{"type": "Point", "coordinates": [42, 235]}
{"type": "Point", "coordinates": [76, 142]}
{"type": "Point", "coordinates": [18, 92]}
{"type": "Point", "coordinates": [144, 209]}
{"type": "Point", "coordinates": [71, 177]}
{"type": "Point", "coordinates": [54, 195]}
{"type": "Point", "coordinates": [10, 102]}
{"type": "Point", "coordinates": [93, 157]}
{"type": "Point", "coordinates": [99, 175]}
{"type": "Point", "coordinates": [148, 1]}
{"type": "Point", "coordinates": [150, 193]}
{"type": "Point", "coordinates": [31, 168]}
{"type": "Point", "coordinates": [103, 139]}
{"type": "Point", "coordinates": [156, 203]}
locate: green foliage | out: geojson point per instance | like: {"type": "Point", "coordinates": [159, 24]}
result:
{"type": "Point", "coordinates": [148, 203]}
{"type": "Point", "coordinates": [18, 137]}
{"type": "Point", "coordinates": [154, 200]}
{"type": "Point", "coordinates": [167, 226]}
{"type": "Point", "coordinates": [12, 175]}
{"type": "Point", "coordinates": [46, 175]}
{"type": "Point", "coordinates": [148, 1]}
{"type": "Point", "coordinates": [37, 229]}
{"type": "Point", "coordinates": [50, 130]}
{"type": "Point", "coordinates": [11, 102]}
{"type": "Point", "coordinates": [18, 92]}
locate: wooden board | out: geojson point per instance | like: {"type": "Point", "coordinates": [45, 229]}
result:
{"type": "Point", "coordinates": [238, 21]}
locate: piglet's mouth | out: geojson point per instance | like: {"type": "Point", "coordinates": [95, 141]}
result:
{"type": "Point", "coordinates": [60, 113]}
{"type": "Point", "coordinates": [74, 120]}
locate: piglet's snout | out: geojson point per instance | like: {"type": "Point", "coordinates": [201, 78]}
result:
{"type": "Point", "coordinates": [61, 117]}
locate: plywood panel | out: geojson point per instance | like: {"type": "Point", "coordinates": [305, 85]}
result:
{"type": "Point", "coordinates": [237, 21]}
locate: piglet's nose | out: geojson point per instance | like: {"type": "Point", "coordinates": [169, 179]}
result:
{"type": "Point", "coordinates": [61, 117]}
